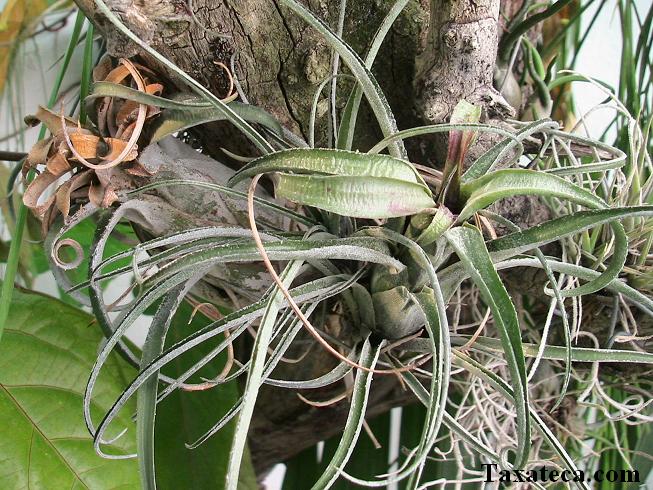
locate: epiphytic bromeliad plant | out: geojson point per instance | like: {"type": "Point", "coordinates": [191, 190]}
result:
{"type": "Point", "coordinates": [368, 267]}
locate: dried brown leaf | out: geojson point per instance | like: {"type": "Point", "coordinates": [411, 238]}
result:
{"type": "Point", "coordinates": [118, 74]}
{"type": "Point", "coordinates": [110, 197]}
{"type": "Point", "coordinates": [87, 146]}
{"type": "Point", "coordinates": [38, 154]}
{"type": "Point", "coordinates": [96, 194]}
{"type": "Point", "coordinates": [64, 191]}
{"type": "Point", "coordinates": [51, 120]}
{"type": "Point", "coordinates": [58, 164]}
{"type": "Point", "coordinates": [102, 68]}
{"type": "Point", "coordinates": [35, 189]}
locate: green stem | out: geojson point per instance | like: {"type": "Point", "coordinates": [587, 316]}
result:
{"type": "Point", "coordinates": [14, 250]}
{"type": "Point", "coordinates": [87, 71]}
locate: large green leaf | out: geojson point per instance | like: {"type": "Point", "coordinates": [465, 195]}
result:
{"type": "Point", "coordinates": [482, 192]}
{"type": "Point", "coordinates": [45, 357]}
{"type": "Point", "coordinates": [358, 197]}
{"type": "Point", "coordinates": [330, 162]}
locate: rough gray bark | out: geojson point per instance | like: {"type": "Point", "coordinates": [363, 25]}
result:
{"type": "Point", "coordinates": [279, 59]}
{"type": "Point", "coordinates": [459, 61]}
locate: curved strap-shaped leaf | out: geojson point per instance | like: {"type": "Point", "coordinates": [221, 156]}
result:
{"type": "Point", "coordinates": [109, 89]}
{"type": "Point", "coordinates": [432, 304]}
{"type": "Point", "coordinates": [485, 190]}
{"type": "Point", "coordinates": [555, 352]}
{"type": "Point", "coordinates": [586, 168]}
{"type": "Point", "coordinates": [177, 245]}
{"type": "Point", "coordinates": [519, 242]}
{"type": "Point", "coordinates": [316, 102]}
{"type": "Point", "coordinates": [549, 231]}
{"type": "Point", "coordinates": [360, 249]}
{"type": "Point", "coordinates": [255, 374]}
{"type": "Point", "coordinates": [486, 162]}
{"type": "Point", "coordinates": [456, 275]}
{"type": "Point", "coordinates": [270, 365]}
{"type": "Point", "coordinates": [126, 319]}
{"type": "Point", "coordinates": [330, 162]}
{"type": "Point", "coordinates": [199, 364]}
{"type": "Point", "coordinates": [470, 247]}
{"type": "Point", "coordinates": [431, 301]}
{"type": "Point", "coordinates": [172, 120]}
{"type": "Point", "coordinates": [146, 399]}
{"type": "Point", "coordinates": [355, 418]}
{"type": "Point", "coordinates": [236, 322]}
{"type": "Point", "coordinates": [358, 197]}
{"type": "Point", "coordinates": [336, 374]}
{"type": "Point", "coordinates": [104, 229]}
{"type": "Point", "coordinates": [339, 285]}
{"type": "Point", "coordinates": [435, 398]}
{"type": "Point", "coordinates": [561, 306]}
{"type": "Point", "coordinates": [439, 128]}
{"type": "Point", "coordinates": [480, 193]}
{"type": "Point", "coordinates": [183, 111]}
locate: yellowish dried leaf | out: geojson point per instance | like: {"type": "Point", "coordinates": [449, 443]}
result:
{"type": "Point", "coordinates": [35, 189]}
{"type": "Point", "coordinates": [64, 191]}
{"type": "Point", "coordinates": [38, 154]}
{"type": "Point", "coordinates": [58, 164]}
{"type": "Point", "coordinates": [51, 120]}
{"type": "Point", "coordinates": [87, 146]}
